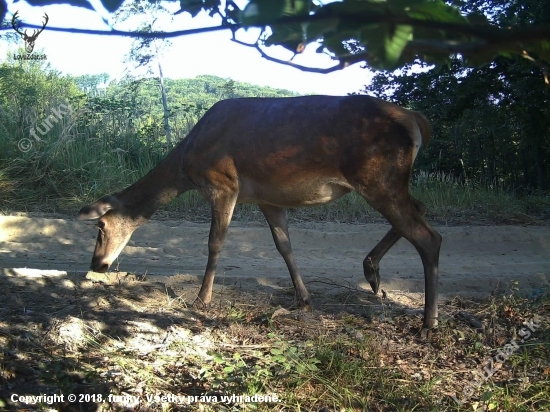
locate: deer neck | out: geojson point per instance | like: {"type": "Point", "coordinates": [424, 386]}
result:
{"type": "Point", "coordinates": [156, 189]}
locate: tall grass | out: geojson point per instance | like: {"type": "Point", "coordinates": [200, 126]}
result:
{"type": "Point", "coordinates": [450, 199]}
{"type": "Point", "coordinates": [71, 164]}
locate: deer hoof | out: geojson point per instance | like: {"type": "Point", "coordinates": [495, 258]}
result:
{"type": "Point", "coordinates": [199, 304]}
{"type": "Point", "coordinates": [306, 308]}
{"type": "Point", "coordinates": [428, 328]}
{"type": "Point", "coordinates": [430, 323]}
{"type": "Point", "coordinates": [302, 304]}
{"type": "Point", "coordinates": [372, 274]}
{"type": "Point", "coordinates": [425, 334]}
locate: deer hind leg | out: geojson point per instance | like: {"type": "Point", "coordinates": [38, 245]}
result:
{"type": "Point", "coordinates": [276, 218]}
{"type": "Point", "coordinates": [222, 211]}
{"type": "Point", "coordinates": [407, 221]}
{"type": "Point", "coordinates": [371, 264]}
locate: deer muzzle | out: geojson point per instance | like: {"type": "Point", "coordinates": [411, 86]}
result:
{"type": "Point", "coordinates": [99, 264]}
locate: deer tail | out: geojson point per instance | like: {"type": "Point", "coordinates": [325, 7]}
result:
{"type": "Point", "coordinates": [424, 126]}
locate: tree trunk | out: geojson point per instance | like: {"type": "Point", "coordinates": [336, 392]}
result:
{"type": "Point", "coordinates": [167, 129]}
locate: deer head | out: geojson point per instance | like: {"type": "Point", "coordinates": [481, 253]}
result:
{"type": "Point", "coordinates": [29, 40]}
{"type": "Point", "coordinates": [115, 228]}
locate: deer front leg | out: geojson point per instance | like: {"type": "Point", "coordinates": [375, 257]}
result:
{"type": "Point", "coordinates": [222, 211]}
{"type": "Point", "coordinates": [278, 224]}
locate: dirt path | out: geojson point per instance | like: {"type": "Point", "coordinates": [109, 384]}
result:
{"type": "Point", "coordinates": [474, 260]}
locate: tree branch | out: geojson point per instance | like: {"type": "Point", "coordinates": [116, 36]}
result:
{"type": "Point", "coordinates": [545, 69]}
{"type": "Point", "coordinates": [493, 34]}
{"type": "Point", "coordinates": [157, 35]}
{"type": "Point", "coordinates": [344, 61]}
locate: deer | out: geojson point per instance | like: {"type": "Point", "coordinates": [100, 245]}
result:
{"type": "Point", "coordinates": [284, 153]}
{"type": "Point", "coordinates": [29, 40]}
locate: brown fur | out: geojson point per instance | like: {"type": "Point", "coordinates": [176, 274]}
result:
{"type": "Point", "coordinates": [280, 153]}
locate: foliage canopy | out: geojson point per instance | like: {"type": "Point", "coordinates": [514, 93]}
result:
{"type": "Point", "coordinates": [385, 34]}
{"type": "Point", "coordinates": [492, 122]}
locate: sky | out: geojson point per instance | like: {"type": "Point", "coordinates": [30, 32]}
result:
{"type": "Point", "coordinates": [188, 56]}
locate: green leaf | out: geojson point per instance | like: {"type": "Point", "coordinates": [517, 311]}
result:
{"type": "Point", "coordinates": [481, 58]}
{"type": "Point", "coordinates": [312, 367]}
{"type": "Point", "coordinates": [289, 36]}
{"type": "Point", "coordinates": [261, 12]}
{"type": "Point", "coordinates": [395, 44]}
{"type": "Point", "coordinates": [386, 43]}
{"type": "Point", "coordinates": [355, 8]}
{"type": "Point", "coordinates": [436, 11]}
{"type": "Point", "coordinates": [112, 5]}
{"type": "Point", "coordinates": [477, 18]}
{"type": "Point", "coordinates": [218, 358]}
{"type": "Point", "coordinates": [296, 8]}
{"type": "Point", "coordinates": [193, 7]}
{"type": "Point", "coordinates": [317, 29]}
{"type": "Point", "coordinates": [400, 5]}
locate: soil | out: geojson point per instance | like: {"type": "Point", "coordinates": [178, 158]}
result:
{"type": "Point", "coordinates": [49, 299]}
{"type": "Point", "coordinates": [475, 261]}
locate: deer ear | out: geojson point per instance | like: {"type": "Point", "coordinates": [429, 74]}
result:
{"type": "Point", "coordinates": [99, 208]}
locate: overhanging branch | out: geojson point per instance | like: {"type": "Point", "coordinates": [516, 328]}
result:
{"type": "Point", "coordinates": [342, 64]}
{"type": "Point", "coordinates": [485, 38]}
{"type": "Point", "coordinates": [489, 33]}
{"type": "Point", "coordinates": [146, 35]}
{"type": "Point", "coordinates": [545, 69]}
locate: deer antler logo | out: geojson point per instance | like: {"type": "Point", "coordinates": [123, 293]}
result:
{"type": "Point", "coordinates": [29, 40]}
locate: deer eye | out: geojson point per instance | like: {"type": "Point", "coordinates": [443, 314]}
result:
{"type": "Point", "coordinates": [101, 224]}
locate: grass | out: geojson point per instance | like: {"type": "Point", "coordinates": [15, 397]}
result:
{"type": "Point", "coordinates": [61, 176]}
{"type": "Point", "coordinates": [140, 338]}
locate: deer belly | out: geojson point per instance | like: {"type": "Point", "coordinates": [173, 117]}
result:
{"type": "Point", "coordinates": [303, 193]}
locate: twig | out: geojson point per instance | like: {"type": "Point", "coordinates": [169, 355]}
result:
{"type": "Point", "coordinates": [229, 345]}
{"type": "Point", "coordinates": [333, 283]}
{"type": "Point", "coordinates": [343, 61]}
{"type": "Point", "coordinates": [545, 69]}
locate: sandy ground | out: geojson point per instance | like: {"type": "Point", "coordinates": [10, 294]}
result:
{"type": "Point", "coordinates": [61, 325]}
{"type": "Point", "coordinates": [475, 261]}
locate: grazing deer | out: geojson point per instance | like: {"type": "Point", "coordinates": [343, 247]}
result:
{"type": "Point", "coordinates": [281, 153]}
